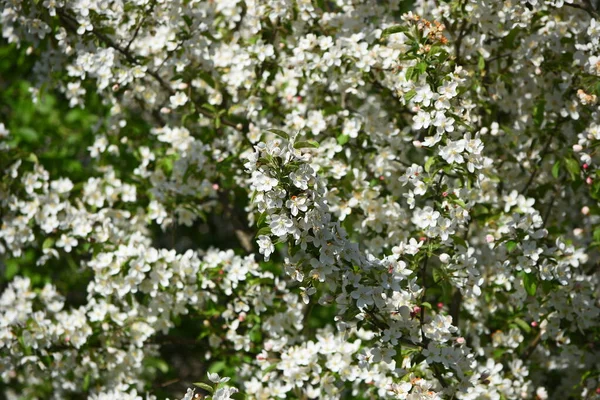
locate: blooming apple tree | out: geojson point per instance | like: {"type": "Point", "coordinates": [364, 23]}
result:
{"type": "Point", "coordinates": [300, 199]}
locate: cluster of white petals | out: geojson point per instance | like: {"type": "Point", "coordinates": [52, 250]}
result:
{"type": "Point", "coordinates": [318, 199]}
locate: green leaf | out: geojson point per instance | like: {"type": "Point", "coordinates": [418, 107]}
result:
{"type": "Point", "coordinates": [460, 241]}
{"type": "Point", "coordinates": [459, 202]}
{"type": "Point", "coordinates": [28, 134]}
{"type": "Point", "coordinates": [255, 334]}
{"type": "Point", "coordinates": [442, 56]}
{"type": "Point", "coordinates": [157, 363]}
{"type": "Point", "coordinates": [409, 95]}
{"type": "Point", "coordinates": [217, 367]}
{"type": "Point", "coordinates": [509, 39]}
{"type": "Point", "coordinates": [438, 275]}
{"type": "Point", "coordinates": [204, 386]}
{"type": "Point", "coordinates": [393, 29]}
{"type": "Point", "coordinates": [32, 158]}
{"type": "Point", "coordinates": [426, 305]}
{"type": "Point", "coordinates": [481, 63]}
{"type": "Point", "coordinates": [556, 169]}
{"type": "Point", "coordinates": [511, 245]}
{"type": "Point", "coordinates": [429, 163]}
{"type": "Point", "coordinates": [538, 112]}
{"type": "Point", "coordinates": [530, 283]}
{"type": "Point", "coordinates": [263, 231]}
{"type": "Point", "coordinates": [343, 139]}
{"type": "Point", "coordinates": [261, 219]}
{"type": "Point", "coordinates": [421, 67]}
{"type": "Point", "coordinates": [206, 77]}
{"type": "Point", "coordinates": [11, 269]}
{"type": "Point", "coordinates": [309, 143]}
{"type": "Point", "coordinates": [269, 369]}
{"type": "Point", "coordinates": [573, 167]}
{"type": "Point", "coordinates": [49, 242]}
{"type": "Point", "coordinates": [595, 192]}
{"type": "Point", "coordinates": [498, 353]}
{"type": "Point", "coordinates": [280, 133]}
{"type": "Point", "coordinates": [210, 108]}
{"type": "Point", "coordinates": [86, 382]}
{"type": "Point", "coordinates": [435, 49]}
{"type": "Point", "coordinates": [523, 325]}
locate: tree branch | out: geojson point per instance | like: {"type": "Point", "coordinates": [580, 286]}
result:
{"type": "Point", "coordinates": [527, 353]}
{"type": "Point", "coordinates": [537, 166]}
{"type": "Point", "coordinates": [72, 23]}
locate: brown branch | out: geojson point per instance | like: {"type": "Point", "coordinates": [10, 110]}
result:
{"type": "Point", "coordinates": [139, 25]}
{"type": "Point", "coordinates": [455, 306]}
{"type": "Point", "coordinates": [529, 350]}
{"type": "Point", "coordinates": [537, 167]}
{"type": "Point", "coordinates": [71, 22]}
{"type": "Point", "coordinates": [549, 209]}
{"type": "Point", "coordinates": [457, 296]}
{"type": "Point", "coordinates": [243, 233]}
{"type": "Point", "coordinates": [382, 325]}
{"type": "Point", "coordinates": [459, 39]}
{"type": "Point", "coordinates": [167, 383]}
{"type": "Point", "coordinates": [424, 283]}
{"type": "Point", "coordinates": [436, 371]}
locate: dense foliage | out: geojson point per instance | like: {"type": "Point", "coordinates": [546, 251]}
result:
{"type": "Point", "coordinates": [314, 199]}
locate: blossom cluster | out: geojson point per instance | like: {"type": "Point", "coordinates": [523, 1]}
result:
{"type": "Point", "coordinates": [316, 199]}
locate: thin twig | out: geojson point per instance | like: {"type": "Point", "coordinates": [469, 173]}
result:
{"type": "Point", "coordinates": [455, 306]}
{"type": "Point", "coordinates": [139, 25]}
{"type": "Point", "coordinates": [547, 213]}
{"type": "Point", "coordinates": [529, 350]}
{"type": "Point", "coordinates": [537, 167]}
{"type": "Point", "coordinates": [71, 22]}
{"type": "Point", "coordinates": [424, 284]}
{"type": "Point", "coordinates": [243, 234]}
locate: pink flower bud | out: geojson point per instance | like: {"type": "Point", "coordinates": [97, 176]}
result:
{"type": "Point", "coordinates": [416, 310]}
{"type": "Point", "coordinates": [589, 180]}
{"type": "Point", "coordinates": [534, 324]}
{"type": "Point", "coordinates": [585, 210]}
